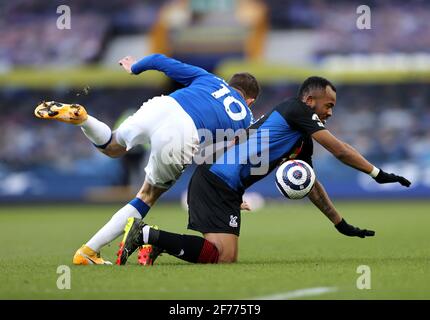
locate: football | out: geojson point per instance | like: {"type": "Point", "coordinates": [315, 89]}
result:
{"type": "Point", "coordinates": [295, 179]}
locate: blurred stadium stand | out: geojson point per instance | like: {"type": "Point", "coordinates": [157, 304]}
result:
{"type": "Point", "coordinates": [382, 76]}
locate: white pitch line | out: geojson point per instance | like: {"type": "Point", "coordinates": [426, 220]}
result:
{"type": "Point", "coordinates": [298, 293]}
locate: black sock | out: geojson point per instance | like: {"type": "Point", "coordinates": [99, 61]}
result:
{"type": "Point", "coordinates": [186, 247]}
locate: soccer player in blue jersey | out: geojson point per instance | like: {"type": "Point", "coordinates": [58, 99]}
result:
{"type": "Point", "coordinates": [173, 124]}
{"type": "Point", "coordinates": [215, 190]}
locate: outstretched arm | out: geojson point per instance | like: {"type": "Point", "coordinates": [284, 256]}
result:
{"type": "Point", "coordinates": [174, 69]}
{"type": "Point", "coordinates": [321, 200]}
{"type": "Point", "coordinates": [348, 155]}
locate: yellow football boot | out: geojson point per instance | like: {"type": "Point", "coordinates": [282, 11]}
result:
{"type": "Point", "coordinates": [85, 256]}
{"type": "Point", "coordinates": [132, 240]}
{"type": "Point", "coordinates": [69, 113]}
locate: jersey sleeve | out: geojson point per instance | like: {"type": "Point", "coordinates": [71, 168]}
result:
{"type": "Point", "coordinates": [300, 117]}
{"type": "Point", "coordinates": [174, 69]}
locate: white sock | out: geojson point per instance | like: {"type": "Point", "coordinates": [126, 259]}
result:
{"type": "Point", "coordinates": [145, 233]}
{"type": "Point", "coordinates": [98, 132]}
{"type": "Point", "coordinates": [114, 228]}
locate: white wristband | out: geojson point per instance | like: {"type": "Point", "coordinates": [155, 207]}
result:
{"type": "Point", "coordinates": [374, 172]}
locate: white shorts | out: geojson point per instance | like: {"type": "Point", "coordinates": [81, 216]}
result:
{"type": "Point", "coordinates": [173, 136]}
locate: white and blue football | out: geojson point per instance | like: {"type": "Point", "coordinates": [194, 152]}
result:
{"type": "Point", "coordinates": [295, 179]}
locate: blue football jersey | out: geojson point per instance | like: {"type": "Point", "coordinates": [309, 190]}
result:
{"type": "Point", "coordinates": [283, 133]}
{"type": "Point", "coordinates": [209, 100]}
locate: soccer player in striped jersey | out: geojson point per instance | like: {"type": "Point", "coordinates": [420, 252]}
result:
{"type": "Point", "coordinates": [215, 190]}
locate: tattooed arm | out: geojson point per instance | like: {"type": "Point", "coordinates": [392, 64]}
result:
{"type": "Point", "coordinates": [320, 199]}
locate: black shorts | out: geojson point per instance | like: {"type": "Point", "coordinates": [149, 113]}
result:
{"type": "Point", "coordinates": [213, 207]}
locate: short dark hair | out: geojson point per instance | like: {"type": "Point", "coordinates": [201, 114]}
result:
{"type": "Point", "coordinates": [314, 83]}
{"type": "Point", "coordinates": [246, 83]}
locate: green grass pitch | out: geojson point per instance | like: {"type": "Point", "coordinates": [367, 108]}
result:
{"type": "Point", "coordinates": [283, 247]}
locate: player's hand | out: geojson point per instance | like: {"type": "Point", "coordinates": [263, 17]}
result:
{"type": "Point", "coordinates": [245, 206]}
{"type": "Point", "coordinates": [384, 177]}
{"type": "Point", "coordinates": [351, 231]}
{"type": "Point", "coordinates": [127, 62]}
